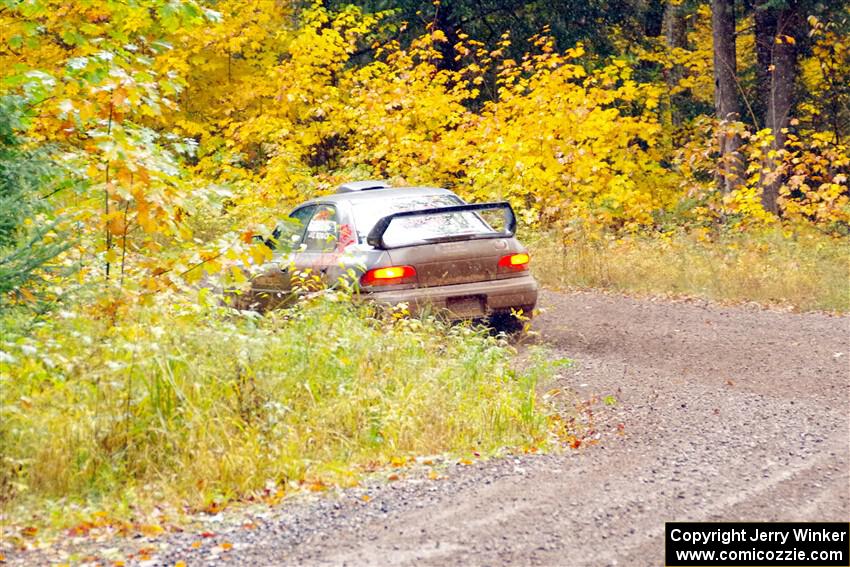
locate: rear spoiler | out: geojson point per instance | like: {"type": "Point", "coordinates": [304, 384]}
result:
{"type": "Point", "coordinates": [376, 235]}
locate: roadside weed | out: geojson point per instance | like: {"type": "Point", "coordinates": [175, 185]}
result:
{"type": "Point", "coordinates": [204, 404]}
{"type": "Point", "coordinates": [801, 268]}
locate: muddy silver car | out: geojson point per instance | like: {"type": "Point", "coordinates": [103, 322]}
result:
{"type": "Point", "coordinates": [417, 245]}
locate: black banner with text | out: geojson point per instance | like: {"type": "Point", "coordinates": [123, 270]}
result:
{"type": "Point", "coordinates": [754, 544]}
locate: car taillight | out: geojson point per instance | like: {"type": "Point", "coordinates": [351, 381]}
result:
{"type": "Point", "coordinates": [516, 262]}
{"type": "Point", "coordinates": [388, 276]}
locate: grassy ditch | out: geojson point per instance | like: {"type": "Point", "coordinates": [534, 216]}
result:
{"type": "Point", "coordinates": [803, 269]}
{"type": "Point", "coordinates": [197, 404]}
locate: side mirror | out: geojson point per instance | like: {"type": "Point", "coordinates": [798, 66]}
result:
{"type": "Point", "coordinates": [267, 241]}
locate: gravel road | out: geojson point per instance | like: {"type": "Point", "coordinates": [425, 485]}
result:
{"type": "Point", "coordinates": [721, 414]}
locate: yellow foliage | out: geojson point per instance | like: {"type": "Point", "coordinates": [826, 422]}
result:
{"type": "Point", "coordinates": [190, 123]}
{"type": "Point", "coordinates": [556, 141]}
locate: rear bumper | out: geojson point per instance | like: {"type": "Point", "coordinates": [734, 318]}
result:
{"type": "Point", "coordinates": [496, 295]}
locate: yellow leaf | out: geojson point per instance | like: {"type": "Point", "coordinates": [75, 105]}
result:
{"type": "Point", "coordinates": [212, 267]}
{"type": "Point", "coordinates": [152, 530]}
{"type": "Point", "coordinates": [237, 274]}
{"type": "Point", "coordinates": [260, 253]}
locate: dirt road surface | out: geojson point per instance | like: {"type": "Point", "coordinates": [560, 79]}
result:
{"type": "Point", "coordinates": [721, 414]}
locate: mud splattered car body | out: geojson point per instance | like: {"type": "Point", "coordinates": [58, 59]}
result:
{"type": "Point", "coordinates": [417, 245]}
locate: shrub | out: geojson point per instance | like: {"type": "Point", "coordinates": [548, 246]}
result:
{"type": "Point", "coordinates": [203, 403]}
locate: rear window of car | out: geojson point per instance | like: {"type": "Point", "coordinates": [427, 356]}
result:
{"type": "Point", "coordinates": [416, 229]}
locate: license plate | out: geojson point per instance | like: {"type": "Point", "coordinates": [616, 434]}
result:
{"type": "Point", "coordinates": [468, 306]}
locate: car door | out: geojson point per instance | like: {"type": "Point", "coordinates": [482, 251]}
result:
{"type": "Point", "coordinates": [320, 251]}
{"type": "Point", "coordinates": [272, 287]}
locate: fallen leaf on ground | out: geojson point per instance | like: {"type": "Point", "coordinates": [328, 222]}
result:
{"type": "Point", "coordinates": [214, 508]}
{"type": "Point", "coordinates": [151, 530]}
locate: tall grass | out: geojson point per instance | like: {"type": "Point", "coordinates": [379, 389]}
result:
{"type": "Point", "coordinates": [200, 404]}
{"type": "Point", "coordinates": [803, 269]}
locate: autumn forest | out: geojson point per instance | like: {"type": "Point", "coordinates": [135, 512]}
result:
{"type": "Point", "coordinates": [679, 147]}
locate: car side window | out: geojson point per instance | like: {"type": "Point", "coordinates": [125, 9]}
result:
{"type": "Point", "coordinates": [322, 231]}
{"type": "Point", "coordinates": [290, 232]}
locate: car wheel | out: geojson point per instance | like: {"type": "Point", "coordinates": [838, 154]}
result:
{"type": "Point", "coordinates": [509, 323]}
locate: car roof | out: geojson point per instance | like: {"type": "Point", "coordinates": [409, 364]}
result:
{"type": "Point", "coordinates": [377, 194]}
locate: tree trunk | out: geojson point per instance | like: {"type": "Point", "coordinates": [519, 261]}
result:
{"type": "Point", "coordinates": [445, 21]}
{"type": "Point", "coordinates": [674, 27]}
{"type": "Point", "coordinates": [675, 36]}
{"type": "Point", "coordinates": [726, 92]}
{"type": "Point", "coordinates": [780, 100]}
{"type": "Point", "coordinates": [765, 30]}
